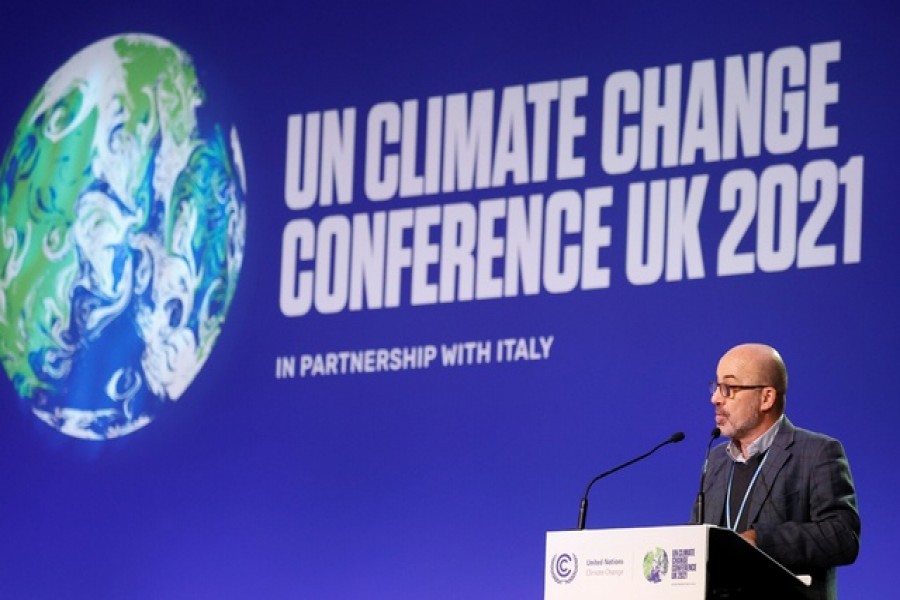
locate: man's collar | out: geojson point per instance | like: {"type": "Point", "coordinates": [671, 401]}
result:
{"type": "Point", "coordinates": [759, 445]}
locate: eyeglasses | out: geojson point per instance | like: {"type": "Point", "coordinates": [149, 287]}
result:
{"type": "Point", "coordinates": [727, 390]}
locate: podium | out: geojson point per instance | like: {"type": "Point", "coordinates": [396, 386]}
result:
{"type": "Point", "coordinates": [685, 562]}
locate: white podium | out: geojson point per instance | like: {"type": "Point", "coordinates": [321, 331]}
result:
{"type": "Point", "coordinates": [687, 562]}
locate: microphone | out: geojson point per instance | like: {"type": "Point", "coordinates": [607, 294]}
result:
{"type": "Point", "coordinates": [699, 505]}
{"type": "Point", "coordinates": [582, 513]}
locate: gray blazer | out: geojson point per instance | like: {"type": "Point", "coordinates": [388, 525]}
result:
{"type": "Point", "coordinates": [802, 506]}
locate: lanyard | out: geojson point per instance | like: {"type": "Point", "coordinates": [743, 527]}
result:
{"type": "Point", "coordinates": [737, 520]}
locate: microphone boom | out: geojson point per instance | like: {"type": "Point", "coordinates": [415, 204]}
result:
{"type": "Point", "coordinates": [582, 513]}
{"type": "Point", "coordinates": [699, 505]}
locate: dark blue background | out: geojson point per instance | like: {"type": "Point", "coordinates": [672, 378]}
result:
{"type": "Point", "coordinates": [441, 483]}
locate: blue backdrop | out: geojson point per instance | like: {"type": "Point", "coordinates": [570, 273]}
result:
{"type": "Point", "coordinates": [285, 470]}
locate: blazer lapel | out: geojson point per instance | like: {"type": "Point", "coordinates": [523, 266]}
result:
{"type": "Point", "coordinates": [776, 457]}
{"type": "Point", "coordinates": [716, 484]}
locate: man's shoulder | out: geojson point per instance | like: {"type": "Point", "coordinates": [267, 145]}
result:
{"type": "Point", "coordinates": [801, 434]}
{"type": "Point", "coordinates": [807, 441]}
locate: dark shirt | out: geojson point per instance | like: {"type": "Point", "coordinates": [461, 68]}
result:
{"type": "Point", "coordinates": [741, 478]}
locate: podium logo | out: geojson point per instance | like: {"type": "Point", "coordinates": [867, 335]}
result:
{"type": "Point", "coordinates": [656, 565]}
{"type": "Point", "coordinates": [564, 567]}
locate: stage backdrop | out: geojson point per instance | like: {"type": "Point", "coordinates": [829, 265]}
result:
{"type": "Point", "coordinates": [351, 300]}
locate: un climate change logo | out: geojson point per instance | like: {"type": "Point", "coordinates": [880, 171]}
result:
{"type": "Point", "coordinates": [122, 222]}
{"type": "Point", "coordinates": [656, 565]}
{"type": "Point", "coordinates": [564, 567]}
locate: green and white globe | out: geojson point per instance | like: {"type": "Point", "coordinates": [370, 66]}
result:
{"type": "Point", "coordinates": [122, 221]}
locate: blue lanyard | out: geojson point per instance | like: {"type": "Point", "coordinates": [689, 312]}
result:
{"type": "Point", "coordinates": [737, 520]}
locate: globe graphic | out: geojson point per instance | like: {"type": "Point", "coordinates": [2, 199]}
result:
{"type": "Point", "coordinates": [122, 226]}
{"type": "Point", "coordinates": [656, 565]}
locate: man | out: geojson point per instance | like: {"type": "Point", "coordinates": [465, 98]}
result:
{"type": "Point", "coordinates": [786, 490]}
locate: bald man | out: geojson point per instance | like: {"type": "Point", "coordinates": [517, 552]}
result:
{"type": "Point", "coordinates": [784, 489]}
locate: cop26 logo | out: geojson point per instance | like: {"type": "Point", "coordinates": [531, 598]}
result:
{"type": "Point", "coordinates": [656, 565]}
{"type": "Point", "coordinates": [122, 222]}
{"type": "Point", "coordinates": [564, 567]}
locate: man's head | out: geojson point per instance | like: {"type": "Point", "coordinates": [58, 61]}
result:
{"type": "Point", "coordinates": [751, 392]}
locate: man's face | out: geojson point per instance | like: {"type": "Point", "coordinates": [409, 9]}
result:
{"type": "Point", "coordinates": [739, 417]}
